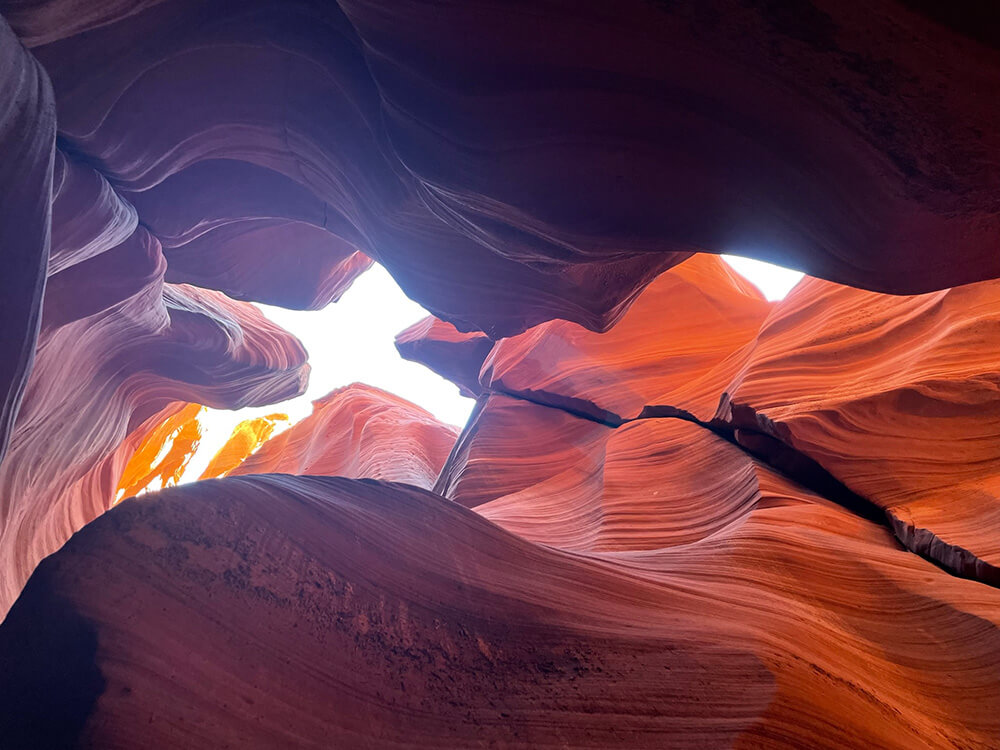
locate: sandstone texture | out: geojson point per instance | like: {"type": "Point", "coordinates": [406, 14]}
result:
{"type": "Point", "coordinates": [359, 432]}
{"type": "Point", "coordinates": [680, 515]}
{"type": "Point", "coordinates": [385, 616]}
{"type": "Point", "coordinates": [452, 354]}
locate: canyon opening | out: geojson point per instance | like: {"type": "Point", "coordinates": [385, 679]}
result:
{"type": "Point", "coordinates": [431, 375]}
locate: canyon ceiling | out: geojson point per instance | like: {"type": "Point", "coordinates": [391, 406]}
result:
{"type": "Point", "coordinates": [680, 515]}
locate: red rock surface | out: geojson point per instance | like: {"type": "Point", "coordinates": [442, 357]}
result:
{"type": "Point", "coordinates": [359, 432]}
{"type": "Point", "coordinates": [119, 350]}
{"type": "Point", "coordinates": [452, 354]}
{"type": "Point", "coordinates": [574, 483]}
{"type": "Point", "coordinates": [897, 398]}
{"type": "Point", "coordinates": [249, 232]}
{"type": "Point", "coordinates": [852, 142]}
{"type": "Point", "coordinates": [890, 399]}
{"type": "Point", "coordinates": [298, 131]}
{"type": "Point", "coordinates": [384, 616]}
{"type": "Point", "coordinates": [717, 523]}
{"type": "Point", "coordinates": [650, 485]}
{"type": "Point", "coordinates": [682, 328]}
{"type": "Point", "coordinates": [510, 444]}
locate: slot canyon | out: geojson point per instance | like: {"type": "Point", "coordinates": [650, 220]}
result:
{"type": "Point", "coordinates": [680, 515]}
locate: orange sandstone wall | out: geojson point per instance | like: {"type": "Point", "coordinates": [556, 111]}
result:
{"type": "Point", "coordinates": [717, 523]}
{"type": "Point", "coordinates": [359, 432]}
{"type": "Point", "coordinates": [384, 616]}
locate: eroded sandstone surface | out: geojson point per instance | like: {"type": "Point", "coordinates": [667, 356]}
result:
{"type": "Point", "coordinates": [679, 516]}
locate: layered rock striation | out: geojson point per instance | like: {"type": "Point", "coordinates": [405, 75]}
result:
{"type": "Point", "coordinates": [679, 516]}
{"type": "Point", "coordinates": [671, 347]}
{"type": "Point", "coordinates": [27, 139]}
{"type": "Point", "coordinates": [385, 616]}
{"type": "Point", "coordinates": [849, 142]}
{"type": "Point", "coordinates": [452, 354]}
{"type": "Point", "coordinates": [359, 432]}
{"type": "Point", "coordinates": [103, 381]}
{"type": "Point", "coordinates": [897, 398]}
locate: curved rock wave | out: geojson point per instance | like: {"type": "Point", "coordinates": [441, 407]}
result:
{"type": "Point", "coordinates": [27, 140]}
{"type": "Point", "coordinates": [115, 359]}
{"type": "Point", "coordinates": [673, 346]}
{"type": "Point", "coordinates": [388, 617]}
{"type": "Point", "coordinates": [452, 354]}
{"type": "Point", "coordinates": [791, 137]}
{"type": "Point", "coordinates": [676, 515]}
{"type": "Point", "coordinates": [360, 432]}
{"type": "Point", "coordinates": [883, 403]}
{"type": "Point", "coordinates": [897, 398]}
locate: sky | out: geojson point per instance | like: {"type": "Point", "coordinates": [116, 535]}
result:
{"type": "Point", "coordinates": [774, 281]}
{"type": "Point", "coordinates": [352, 341]}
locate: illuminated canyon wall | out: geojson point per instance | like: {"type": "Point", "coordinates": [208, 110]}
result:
{"type": "Point", "coordinates": [679, 516]}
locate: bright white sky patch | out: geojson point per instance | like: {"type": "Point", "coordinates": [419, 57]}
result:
{"type": "Point", "coordinates": [352, 341]}
{"type": "Point", "coordinates": [774, 281]}
{"type": "Point", "coordinates": [348, 341]}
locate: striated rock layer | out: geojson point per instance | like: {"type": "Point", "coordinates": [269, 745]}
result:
{"type": "Point", "coordinates": [897, 397]}
{"type": "Point", "coordinates": [27, 141]}
{"type": "Point", "coordinates": [676, 338]}
{"type": "Point", "coordinates": [549, 170]}
{"type": "Point", "coordinates": [384, 616]}
{"type": "Point", "coordinates": [119, 352]}
{"type": "Point", "coordinates": [651, 485]}
{"type": "Point", "coordinates": [886, 403]}
{"type": "Point", "coordinates": [359, 432]}
{"type": "Point", "coordinates": [67, 450]}
{"type": "Point", "coordinates": [695, 528]}
{"type": "Point", "coordinates": [452, 354]}
{"type": "Point", "coordinates": [510, 444]}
